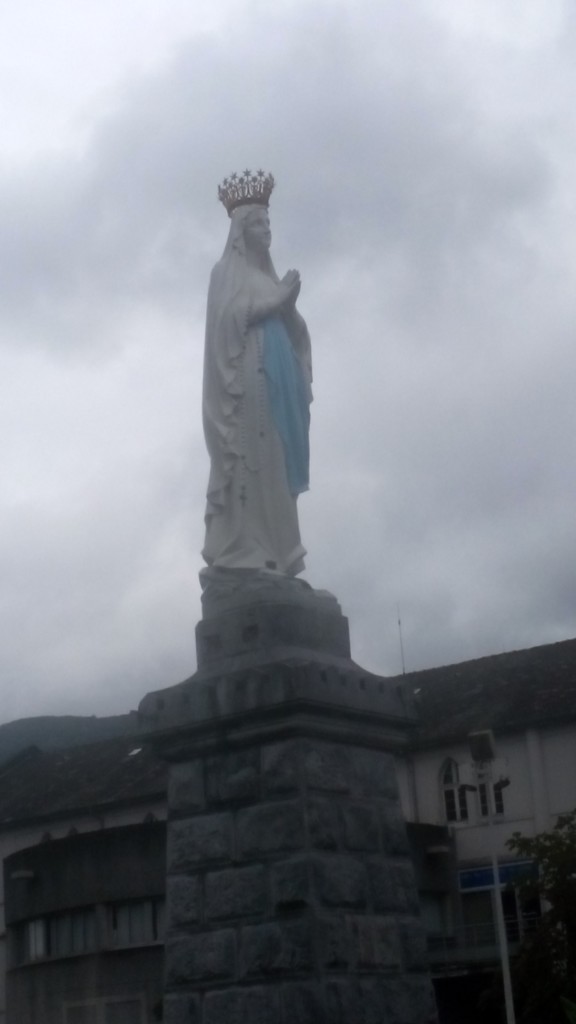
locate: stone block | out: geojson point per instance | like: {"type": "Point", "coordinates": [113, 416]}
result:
{"type": "Point", "coordinates": [349, 770]}
{"type": "Point", "coordinates": [234, 776]}
{"type": "Point", "coordinates": [303, 1004]}
{"type": "Point", "coordinates": [334, 948]}
{"type": "Point", "coordinates": [360, 827]}
{"type": "Point", "coordinates": [375, 943]}
{"type": "Point", "coordinates": [236, 892]}
{"type": "Point", "coordinates": [386, 886]}
{"type": "Point", "coordinates": [328, 767]}
{"type": "Point", "coordinates": [199, 840]}
{"type": "Point", "coordinates": [407, 1000]}
{"type": "Point", "coordinates": [404, 878]}
{"type": "Point", "coordinates": [324, 829]}
{"type": "Point", "coordinates": [186, 787]}
{"type": "Point", "coordinates": [276, 948]}
{"type": "Point", "coordinates": [270, 828]}
{"type": "Point", "coordinates": [348, 1001]}
{"type": "Point", "coordinates": [393, 886]}
{"type": "Point", "coordinates": [281, 767]}
{"type": "Point", "coordinates": [182, 901]}
{"type": "Point", "coordinates": [414, 945]}
{"type": "Point", "coordinates": [200, 958]}
{"type": "Point", "coordinates": [266, 619]}
{"type": "Point", "coordinates": [388, 1000]}
{"type": "Point", "coordinates": [244, 690]}
{"type": "Point", "coordinates": [258, 1005]}
{"type": "Point", "coordinates": [375, 774]}
{"type": "Point", "coordinates": [291, 884]}
{"type": "Point", "coordinates": [395, 840]}
{"type": "Point", "coordinates": [181, 1009]}
{"type": "Point", "coordinates": [340, 880]}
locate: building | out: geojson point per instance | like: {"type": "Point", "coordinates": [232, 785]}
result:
{"type": "Point", "coordinates": [528, 699]}
{"type": "Point", "coordinates": [86, 916]}
{"type": "Point", "coordinates": [82, 839]}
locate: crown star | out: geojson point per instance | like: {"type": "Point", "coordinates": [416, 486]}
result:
{"type": "Point", "coordinates": [239, 190]}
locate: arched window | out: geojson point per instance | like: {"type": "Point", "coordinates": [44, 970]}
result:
{"type": "Point", "coordinates": [483, 801]}
{"type": "Point", "coordinates": [454, 795]}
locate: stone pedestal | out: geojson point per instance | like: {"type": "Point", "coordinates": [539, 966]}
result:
{"type": "Point", "coordinates": [290, 893]}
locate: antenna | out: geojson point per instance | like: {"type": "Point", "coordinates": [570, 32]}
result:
{"type": "Point", "coordinates": [400, 636]}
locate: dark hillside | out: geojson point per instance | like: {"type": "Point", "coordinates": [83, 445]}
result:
{"type": "Point", "coordinates": [52, 732]}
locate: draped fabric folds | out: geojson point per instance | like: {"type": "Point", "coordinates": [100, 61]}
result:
{"type": "Point", "coordinates": [256, 395]}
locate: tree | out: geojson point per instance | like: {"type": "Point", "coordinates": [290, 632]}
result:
{"type": "Point", "coordinates": [544, 975]}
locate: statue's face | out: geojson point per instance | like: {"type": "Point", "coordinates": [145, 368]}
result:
{"type": "Point", "coordinates": [257, 234]}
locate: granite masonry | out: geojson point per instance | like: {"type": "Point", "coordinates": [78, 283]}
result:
{"type": "Point", "coordinates": [290, 892]}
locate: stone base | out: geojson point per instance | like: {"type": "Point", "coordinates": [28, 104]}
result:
{"type": "Point", "coordinates": [267, 639]}
{"type": "Point", "coordinates": [246, 611]}
{"type": "Point", "coordinates": [291, 896]}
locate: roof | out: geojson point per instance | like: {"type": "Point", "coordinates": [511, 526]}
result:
{"type": "Point", "coordinates": [504, 692]}
{"type": "Point", "coordinates": [46, 784]}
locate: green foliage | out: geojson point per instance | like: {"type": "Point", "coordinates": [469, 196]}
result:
{"type": "Point", "coordinates": [544, 976]}
{"type": "Point", "coordinates": [555, 854]}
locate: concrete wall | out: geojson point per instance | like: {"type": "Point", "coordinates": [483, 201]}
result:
{"type": "Point", "coordinates": [97, 870]}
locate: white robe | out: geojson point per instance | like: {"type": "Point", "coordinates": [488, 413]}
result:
{"type": "Point", "coordinates": [251, 516]}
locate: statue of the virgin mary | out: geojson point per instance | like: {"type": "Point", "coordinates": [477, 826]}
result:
{"type": "Point", "coordinates": [257, 393]}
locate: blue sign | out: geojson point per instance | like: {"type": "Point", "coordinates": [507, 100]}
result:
{"type": "Point", "coordinates": [509, 874]}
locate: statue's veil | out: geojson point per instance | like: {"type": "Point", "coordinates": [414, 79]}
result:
{"type": "Point", "coordinates": [226, 324]}
{"type": "Point", "coordinates": [235, 248]}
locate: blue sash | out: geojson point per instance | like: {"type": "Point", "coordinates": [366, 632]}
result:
{"type": "Point", "coordinates": [288, 402]}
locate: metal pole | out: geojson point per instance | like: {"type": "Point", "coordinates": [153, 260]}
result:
{"type": "Point", "coordinates": [500, 925]}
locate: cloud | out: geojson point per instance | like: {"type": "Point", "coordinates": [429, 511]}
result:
{"type": "Point", "coordinates": [424, 168]}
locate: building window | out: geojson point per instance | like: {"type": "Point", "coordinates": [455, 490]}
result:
{"type": "Point", "coordinates": [484, 802]}
{"type": "Point", "coordinates": [137, 923]}
{"type": "Point", "coordinates": [56, 936]}
{"type": "Point", "coordinates": [478, 897]}
{"type": "Point", "coordinates": [455, 795]}
{"type": "Point", "coordinates": [520, 916]}
{"type": "Point", "coordinates": [35, 940]}
{"type": "Point", "coordinates": [478, 917]}
{"type": "Point", "coordinates": [72, 933]}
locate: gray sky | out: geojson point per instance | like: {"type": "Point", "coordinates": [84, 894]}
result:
{"type": "Point", "coordinates": [425, 158]}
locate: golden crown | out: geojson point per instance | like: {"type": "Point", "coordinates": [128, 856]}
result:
{"type": "Point", "coordinates": [241, 189]}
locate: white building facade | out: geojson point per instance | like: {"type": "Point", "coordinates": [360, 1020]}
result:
{"type": "Point", "coordinates": [527, 700]}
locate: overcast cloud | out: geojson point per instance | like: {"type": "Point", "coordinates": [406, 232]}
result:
{"type": "Point", "coordinates": [425, 158]}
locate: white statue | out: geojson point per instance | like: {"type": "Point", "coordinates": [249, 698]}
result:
{"type": "Point", "coordinates": [257, 392]}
